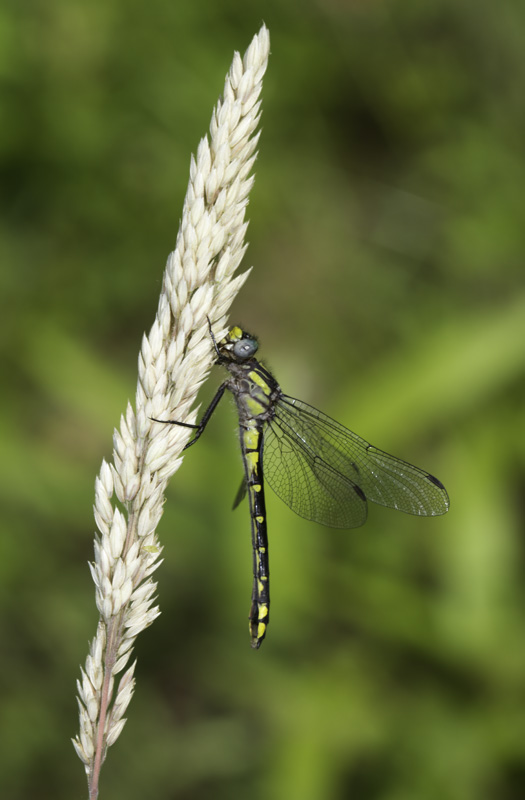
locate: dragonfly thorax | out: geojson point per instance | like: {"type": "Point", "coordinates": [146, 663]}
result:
{"type": "Point", "coordinates": [255, 391]}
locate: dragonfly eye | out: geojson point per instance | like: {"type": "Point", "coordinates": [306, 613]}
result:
{"type": "Point", "coordinates": [245, 348]}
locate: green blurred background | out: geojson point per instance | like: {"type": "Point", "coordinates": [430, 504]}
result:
{"type": "Point", "coordinates": [387, 237]}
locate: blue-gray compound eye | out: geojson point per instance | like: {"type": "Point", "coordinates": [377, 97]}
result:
{"type": "Point", "coordinates": [245, 348]}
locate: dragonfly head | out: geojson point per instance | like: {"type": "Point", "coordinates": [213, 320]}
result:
{"type": "Point", "coordinates": [238, 345]}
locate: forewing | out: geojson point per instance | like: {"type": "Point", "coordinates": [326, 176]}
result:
{"type": "Point", "coordinates": [384, 479]}
{"type": "Point", "coordinates": [306, 482]}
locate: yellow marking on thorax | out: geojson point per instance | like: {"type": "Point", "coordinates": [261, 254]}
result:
{"type": "Point", "coordinates": [259, 381]}
{"type": "Point", "coordinates": [254, 406]}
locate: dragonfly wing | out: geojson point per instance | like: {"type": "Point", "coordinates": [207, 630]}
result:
{"type": "Point", "coordinates": [241, 494]}
{"type": "Point", "coordinates": [306, 482]}
{"type": "Point", "coordinates": [384, 479]}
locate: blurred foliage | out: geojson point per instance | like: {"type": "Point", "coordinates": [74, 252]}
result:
{"type": "Point", "coordinates": [387, 237]}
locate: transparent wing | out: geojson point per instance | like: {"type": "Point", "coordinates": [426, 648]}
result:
{"type": "Point", "coordinates": [306, 482]}
{"type": "Point", "coordinates": [324, 472]}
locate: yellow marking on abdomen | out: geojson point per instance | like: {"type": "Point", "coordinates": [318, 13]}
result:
{"type": "Point", "coordinates": [253, 460]}
{"type": "Point", "coordinates": [250, 438]}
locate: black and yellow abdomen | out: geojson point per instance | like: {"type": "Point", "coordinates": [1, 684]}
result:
{"type": "Point", "coordinates": [253, 393]}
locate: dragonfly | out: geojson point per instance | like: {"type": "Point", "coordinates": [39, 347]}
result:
{"type": "Point", "coordinates": [320, 469]}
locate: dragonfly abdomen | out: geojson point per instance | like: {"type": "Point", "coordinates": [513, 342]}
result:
{"type": "Point", "coordinates": [251, 445]}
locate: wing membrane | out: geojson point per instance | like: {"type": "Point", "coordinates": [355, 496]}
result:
{"type": "Point", "coordinates": [323, 471]}
{"type": "Point", "coordinates": [307, 482]}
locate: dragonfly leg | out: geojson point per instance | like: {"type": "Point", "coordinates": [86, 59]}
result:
{"type": "Point", "coordinates": [204, 421]}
